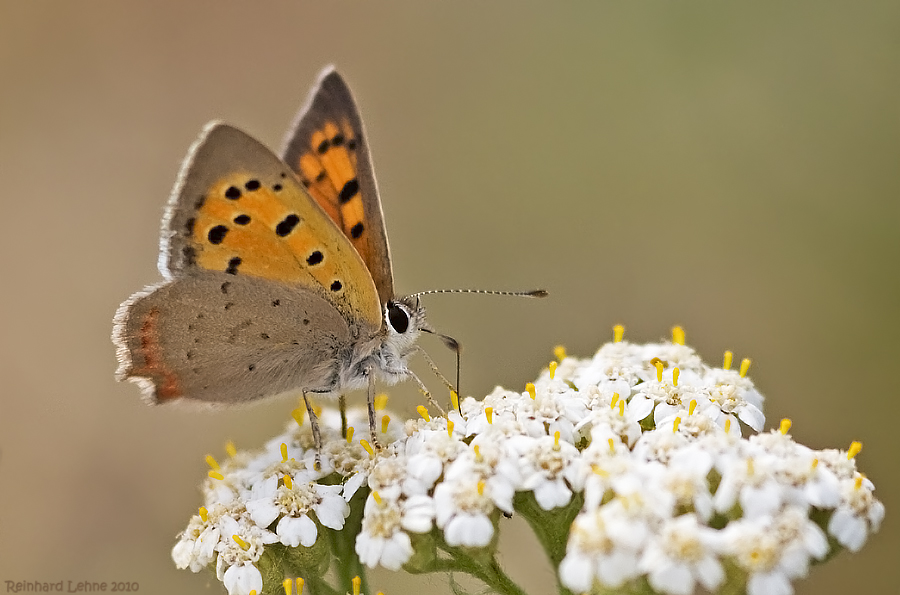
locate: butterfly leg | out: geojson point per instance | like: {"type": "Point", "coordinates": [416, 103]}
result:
{"type": "Point", "coordinates": [436, 371]}
{"type": "Point", "coordinates": [342, 405]}
{"type": "Point", "coordinates": [317, 438]}
{"type": "Point", "coordinates": [370, 402]}
{"type": "Point", "coordinates": [427, 394]}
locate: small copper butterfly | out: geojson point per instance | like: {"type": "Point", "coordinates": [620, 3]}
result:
{"type": "Point", "coordinates": [277, 270]}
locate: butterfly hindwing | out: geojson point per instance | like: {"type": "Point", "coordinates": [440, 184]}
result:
{"type": "Point", "coordinates": [327, 148]}
{"type": "Point", "coordinates": [217, 338]}
{"type": "Point", "coordinates": [239, 210]}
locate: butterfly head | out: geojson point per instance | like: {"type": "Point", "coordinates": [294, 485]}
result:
{"type": "Point", "coordinates": [404, 320]}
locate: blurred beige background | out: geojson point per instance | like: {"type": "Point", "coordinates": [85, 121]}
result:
{"type": "Point", "coordinates": [731, 169]}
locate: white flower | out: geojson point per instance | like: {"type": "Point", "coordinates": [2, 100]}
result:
{"type": "Point", "coordinates": [293, 504]}
{"type": "Point", "coordinates": [592, 554]}
{"type": "Point", "coordinates": [858, 514]}
{"type": "Point", "coordinates": [681, 554]}
{"type": "Point", "coordinates": [775, 550]}
{"type": "Point", "coordinates": [545, 461]}
{"type": "Point", "coordinates": [243, 578]}
{"type": "Point", "coordinates": [463, 505]}
{"type": "Point", "coordinates": [381, 541]}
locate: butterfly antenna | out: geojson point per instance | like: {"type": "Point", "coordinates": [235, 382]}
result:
{"type": "Point", "coordinates": [453, 345]}
{"type": "Point", "coordinates": [534, 293]}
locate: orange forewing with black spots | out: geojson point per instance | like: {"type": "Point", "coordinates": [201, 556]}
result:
{"type": "Point", "coordinates": [250, 215]}
{"type": "Point", "coordinates": [328, 150]}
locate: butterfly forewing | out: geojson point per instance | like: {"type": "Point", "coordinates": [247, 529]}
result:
{"type": "Point", "coordinates": [240, 210]}
{"type": "Point", "coordinates": [328, 150]}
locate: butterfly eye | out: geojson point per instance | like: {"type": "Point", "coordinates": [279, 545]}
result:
{"type": "Point", "coordinates": [398, 318]}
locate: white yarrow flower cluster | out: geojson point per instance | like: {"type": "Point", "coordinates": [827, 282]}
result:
{"type": "Point", "coordinates": [640, 449]}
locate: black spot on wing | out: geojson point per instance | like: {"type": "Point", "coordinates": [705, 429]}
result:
{"type": "Point", "coordinates": [252, 185]}
{"type": "Point", "coordinates": [357, 230]}
{"type": "Point", "coordinates": [233, 193]}
{"type": "Point", "coordinates": [233, 265]}
{"type": "Point", "coordinates": [225, 286]}
{"type": "Point", "coordinates": [349, 191]}
{"type": "Point", "coordinates": [242, 219]}
{"type": "Point", "coordinates": [216, 235]}
{"type": "Point", "coordinates": [314, 258]}
{"type": "Point", "coordinates": [336, 286]}
{"type": "Point", "coordinates": [189, 256]}
{"type": "Point", "coordinates": [287, 225]}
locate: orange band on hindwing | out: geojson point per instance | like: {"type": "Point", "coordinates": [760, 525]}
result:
{"type": "Point", "coordinates": [166, 381]}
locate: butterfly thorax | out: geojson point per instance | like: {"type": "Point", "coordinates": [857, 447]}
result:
{"type": "Point", "coordinates": [387, 353]}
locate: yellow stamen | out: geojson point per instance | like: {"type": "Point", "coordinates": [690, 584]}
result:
{"type": "Point", "coordinates": [252, 592]}
{"type": "Point", "coordinates": [692, 406]}
{"type": "Point", "coordinates": [288, 482]}
{"type": "Point", "coordinates": [317, 409]}
{"type": "Point", "coordinates": [612, 445]}
{"type": "Point", "coordinates": [230, 449]}
{"type": "Point", "coordinates": [659, 368]}
{"type": "Point", "coordinates": [615, 399]}
{"type": "Point", "coordinates": [244, 545]}
{"type": "Point", "coordinates": [785, 426]}
{"type": "Point", "coordinates": [745, 366]}
{"type": "Point", "coordinates": [355, 581]}
{"type": "Point", "coordinates": [556, 440]}
{"type": "Point", "coordinates": [216, 475]}
{"type": "Point", "coordinates": [454, 399]}
{"type": "Point", "coordinates": [423, 412]}
{"type": "Point", "coordinates": [750, 468]}
{"type": "Point", "coordinates": [727, 424]}
{"type": "Point", "coordinates": [622, 407]}
{"type": "Point", "coordinates": [450, 425]}
{"type": "Point", "coordinates": [676, 424]}
{"type": "Point", "coordinates": [377, 497]}
{"type": "Point", "coordinates": [481, 487]}
{"type": "Point", "coordinates": [530, 388]}
{"type": "Point", "coordinates": [855, 447]}
{"type": "Point", "coordinates": [559, 352]}
{"type": "Point", "coordinates": [298, 415]}
{"type": "Point", "coordinates": [211, 461]}
{"type": "Point", "coordinates": [365, 444]}
{"type": "Point", "coordinates": [350, 431]}
{"type": "Point", "coordinates": [300, 583]}
{"type": "Point", "coordinates": [204, 515]}
{"type": "Point", "coordinates": [284, 457]}
{"type": "Point", "coordinates": [728, 357]}
{"type": "Point", "coordinates": [478, 456]}
{"type": "Point", "coordinates": [288, 585]}
{"type": "Point", "coordinates": [598, 470]}
{"type": "Point", "coordinates": [675, 374]}
{"type": "Point", "coordinates": [677, 335]}
{"type": "Point", "coordinates": [489, 414]}
{"type": "Point", "coordinates": [618, 333]}
{"type": "Point", "coordinates": [385, 420]}
{"type": "Point", "coordinates": [858, 482]}
{"type": "Point", "coordinates": [380, 401]}
{"type": "Point", "coordinates": [815, 463]}
{"type": "Point", "coordinates": [552, 367]}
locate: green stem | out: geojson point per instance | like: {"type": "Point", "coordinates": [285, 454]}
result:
{"type": "Point", "coordinates": [316, 585]}
{"type": "Point", "coordinates": [343, 544]}
{"type": "Point", "coordinates": [550, 527]}
{"type": "Point", "coordinates": [484, 568]}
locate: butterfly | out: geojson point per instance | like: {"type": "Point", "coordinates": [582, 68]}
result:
{"type": "Point", "coordinates": [277, 272]}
